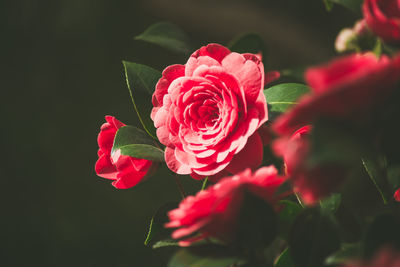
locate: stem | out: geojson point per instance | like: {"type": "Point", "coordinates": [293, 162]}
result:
{"type": "Point", "coordinates": [371, 176]}
{"type": "Point", "coordinates": [299, 200]}
{"type": "Point", "coordinates": [180, 186]}
{"type": "Point", "coordinates": [204, 183]}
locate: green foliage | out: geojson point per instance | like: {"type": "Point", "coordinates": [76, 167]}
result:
{"type": "Point", "coordinates": [141, 78]}
{"type": "Point", "coordinates": [165, 243]}
{"type": "Point", "coordinates": [328, 4]}
{"type": "Point", "coordinates": [376, 171]}
{"type": "Point", "coordinates": [143, 151]}
{"type": "Point", "coordinates": [158, 235]}
{"type": "Point", "coordinates": [354, 5]}
{"type": "Point", "coordinates": [168, 36]}
{"type": "Point", "coordinates": [283, 96]}
{"type": "Point", "coordinates": [331, 203]}
{"type": "Point", "coordinates": [204, 256]}
{"type": "Point", "coordinates": [136, 143]}
{"type": "Point", "coordinates": [284, 260]}
{"type": "Point", "coordinates": [346, 252]}
{"type": "Point", "coordinates": [313, 237]}
{"type": "Point", "coordinates": [378, 48]}
{"type": "Point", "coordinates": [287, 216]}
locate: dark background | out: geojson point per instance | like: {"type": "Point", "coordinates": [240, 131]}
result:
{"type": "Point", "coordinates": [61, 73]}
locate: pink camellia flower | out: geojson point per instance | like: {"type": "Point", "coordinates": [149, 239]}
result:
{"type": "Point", "coordinates": [397, 195]}
{"type": "Point", "coordinates": [207, 112]}
{"type": "Point", "coordinates": [213, 212]}
{"type": "Point", "coordinates": [124, 170]}
{"type": "Point", "coordinates": [345, 88]}
{"type": "Point", "coordinates": [386, 257]}
{"type": "Point", "coordinates": [383, 18]}
{"type": "Point", "coordinates": [312, 183]}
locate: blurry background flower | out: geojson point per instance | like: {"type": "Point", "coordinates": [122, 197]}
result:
{"type": "Point", "coordinates": [383, 18]}
{"type": "Point", "coordinates": [213, 213]}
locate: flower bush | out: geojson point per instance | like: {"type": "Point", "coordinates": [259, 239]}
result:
{"type": "Point", "coordinates": [297, 170]}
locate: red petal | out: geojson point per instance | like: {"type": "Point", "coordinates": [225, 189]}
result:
{"type": "Point", "coordinates": [173, 164]}
{"type": "Point", "coordinates": [215, 51]}
{"type": "Point", "coordinates": [104, 168]}
{"type": "Point", "coordinates": [250, 157]}
{"type": "Point", "coordinates": [169, 74]}
{"type": "Point", "coordinates": [249, 74]}
{"type": "Point", "coordinates": [397, 195]}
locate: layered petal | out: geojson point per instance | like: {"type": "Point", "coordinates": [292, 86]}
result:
{"type": "Point", "coordinates": [206, 111]}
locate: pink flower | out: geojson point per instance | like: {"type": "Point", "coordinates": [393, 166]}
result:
{"type": "Point", "coordinates": [124, 170]}
{"type": "Point", "coordinates": [207, 112]}
{"type": "Point", "coordinates": [347, 87]}
{"type": "Point", "coordinates": [386, 257]}
{"type": "Point", "coordinates": [213, 212]}
{"type": "Point", "coordinates": [383, 18]}
{"type": "Point", "coordinates": [397, 195]}
{"type": "Point", "coordinates": [312, 183]}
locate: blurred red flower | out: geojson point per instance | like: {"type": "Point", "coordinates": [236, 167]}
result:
{"type": "Point", "coordinates": [124, 170]}
{"type": "Point", "coordinates": [383, 18]}
{"type": "Point", "coordinates": [344, 88]}
{"type": "Point", "coordinates": [213, 212]}
{"type": "Point", "coordinates": [312, 183]}
{"type": "Point", "coordinates": [397, 195]}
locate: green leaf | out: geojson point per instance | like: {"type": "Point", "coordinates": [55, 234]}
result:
{"type": "Point", "coordinates": [143, 151]}
{"type": "Point", "coordinates": [331, 203]}
{"type": "Point", "coordinates": [328, 5]}
{"type": "Point", "coordinates": [167, 35]}
{"type": "Point", "coordinates": [248, 43]}
{"type": "Point", "coordinates": [144, 78]}
{"type": "Point", "coordinates": [165, 243]}
{"type": "Point", "coordinates": [354, 5]}
{"type": "Point", "coordinates": [283, 96]}
{"type": "Point", "coordinates": [346, 252]}
{"type": "Point", "coordinates": [204, 256]}
{"type": "Point", "coordinates": [157, 234]}
{"type": "Point", "coordinates": [257, 222]}
{"type": "Point", "coordinates": [136, 143]}
{"type": "Point", "coordinates": [377, 49]}
{"type": "Point", "coordinates": [284, 260]}
{"type": "Point", "coordinates": [313, 237]}
{"type": "Point", "coordinates": [141, 81]}
{"type": "Point", "coordinates": [373, 172]}
{"type": "Point", "coordinates": [286, 216]}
